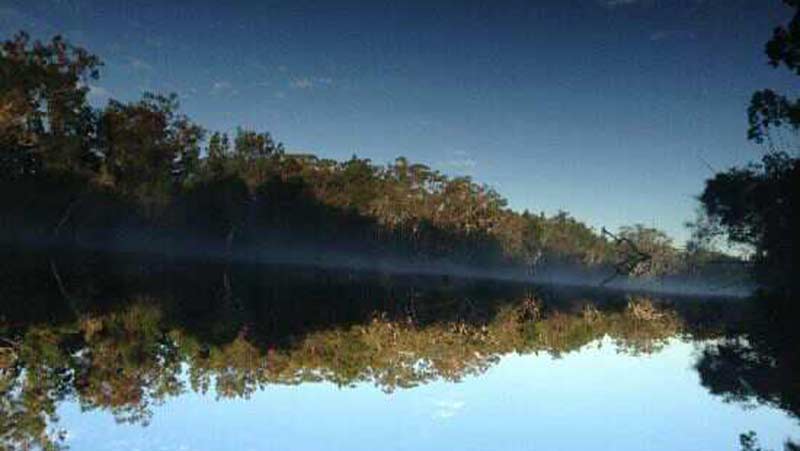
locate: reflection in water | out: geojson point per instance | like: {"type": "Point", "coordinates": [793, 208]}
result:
{"type": "Point", "coordinates": [125, 337]}
{"type": "Point", "coordinates": [591, 398]}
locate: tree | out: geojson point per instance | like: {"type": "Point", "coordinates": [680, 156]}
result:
{"type": "Point", "coordinates": [101, 171]}
{"type": "Point", "coordinates": [769, 109]}
{"type": "Point", "coordinates": [250, 145]}
{"type": "Point", "coordinates": [45, 120]}
{"type": "Point", "coordinates": [758, 205]}
{"type": "Point", "coordinates": [662, 256]}
{"type": "Point", "coordinates": [147, 146]}
{"type": "Point", "coordinates": [217, 154]}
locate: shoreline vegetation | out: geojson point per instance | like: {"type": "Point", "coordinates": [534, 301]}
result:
{"type": "Point", "coordinates": [129, 234]}
{"type": "Point", "coordinates": [127, 341]}
{"type": "Point", "coordinates": [129, 338]}
{"type": "Point", "coordinates": [142, 177]}
{"type": "Point", "coordinates": [758, 206]}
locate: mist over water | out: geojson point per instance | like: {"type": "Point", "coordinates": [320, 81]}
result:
{"type": "Point", "coordinates": [293, 250]}
{"type": "Point", "coordinates": [172, 280]}
{"type": "Point", "coordinates": [130, 338]}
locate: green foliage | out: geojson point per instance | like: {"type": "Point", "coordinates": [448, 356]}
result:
{"type": "Point", "coordinates": [139, 175]}
{"type": "Point", "coordinates": [217, 153]}
{"type": "Point", "coordinates": [663, 257]}
{"type": "Point", "coordinates": [757, 206]}
{"type": "Point", "coordinates": [147, 148]}
{"type": "Point", "coordinates": [134, 356]}
{"type": "Point", "coordinates": [250, 146]}
{"type": "Point", "coordinates": [134, 332]}
{"type": "Point", "coordinates": [749, 442]}
{"type": "Point", "coordinates": [769, 109]}
{"type": "Point", "coordinates": [44, 117]}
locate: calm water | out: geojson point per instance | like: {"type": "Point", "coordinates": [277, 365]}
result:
{"type": "Point", "coordinates": [209, 357]}
{"type": "Point", "coordinates": [594, 398]}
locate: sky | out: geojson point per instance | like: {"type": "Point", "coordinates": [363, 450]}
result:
{"type": "Point", "coordinates": [597, 398]}
{"type": "Point", "coordinates": [613, 110]}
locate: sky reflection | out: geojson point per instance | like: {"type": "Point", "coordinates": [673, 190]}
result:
{"type": "Point", "coordinates": [595, 398]}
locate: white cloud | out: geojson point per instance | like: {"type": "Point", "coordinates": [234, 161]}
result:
{"type": "Point", "coordinates": [223, 87]}
{"type": "Point", "coordinates": [140, 64]}
{"type": "Point", "coordinates": [461, 161]}
{"type": "Point", "coordinates": [463, 164]}
{"type": "Point", "coordinates": [188, 94]}
{"type": "Point", "coordinates": [447, 409]}
{"type": "Point", "coordinates": [301, 83]}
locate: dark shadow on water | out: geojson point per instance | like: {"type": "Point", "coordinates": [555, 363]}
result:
{"type": "Point", "coordinates": [124, 332]}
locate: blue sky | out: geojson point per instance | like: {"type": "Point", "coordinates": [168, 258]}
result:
{"type": "Point", "coordinates": [597, 398]}
{"type": "Point", "coordinates": [609, 109]}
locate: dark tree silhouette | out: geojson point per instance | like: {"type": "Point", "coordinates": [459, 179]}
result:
{"type": "Point", "coordinates": [758, 205]}
{"type": "Point", "coordinates": [140, 177]}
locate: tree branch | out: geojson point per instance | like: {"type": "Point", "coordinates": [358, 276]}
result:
{"type": "Point", "coordinates": [624, 267]}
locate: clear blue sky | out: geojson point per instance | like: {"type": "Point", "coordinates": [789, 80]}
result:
{"type": "Point", "coordinates": [593, 399]}
{"type": "Point", "coordinates": [604, 108]}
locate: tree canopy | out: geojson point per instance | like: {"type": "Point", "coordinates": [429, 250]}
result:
{"type": "Point", "coordinates": [141, 175]}
{"type": "Point", "coordinates": [759, 205]}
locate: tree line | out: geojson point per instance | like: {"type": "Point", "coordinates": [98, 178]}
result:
{"type": "Point", "coordinates": [142, 176]}
{"type": "Point", "coordinates": [130, 341]}
{"type": "Point", "coordinates": [143, 340]}
{"type": "Point", "coordinates": [758, 205]}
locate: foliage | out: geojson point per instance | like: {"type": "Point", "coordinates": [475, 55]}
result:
{"type": "Point", "coordinates": [758, 205]}
{"type": "Point", "coordinates": [146, 147]}
{"type": "Point", "coordinates": [144, 351]}
{"type": "Point", "coordinates": [662, 259]}
{"type": "Point", "coordinates": [768, 109]}
{"type": "Point", "coordinates": [141, 176]}
{"type": "Point", "coordinates": [44, 117]}
{"type": "Point", "coordinates": [125, 334]}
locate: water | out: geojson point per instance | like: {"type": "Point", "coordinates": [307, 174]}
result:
{"type": "Point", "coordinates": [593, 398]}
{"type": "Point", "coordinates": [190, 356]}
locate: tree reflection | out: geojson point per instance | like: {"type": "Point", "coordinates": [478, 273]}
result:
{"type": "Point", "coordinates": [133, 334]}
{"type": "Point", "coordinates": [757, 363]}
{"type": "Point", "coordinates": [749, 442]}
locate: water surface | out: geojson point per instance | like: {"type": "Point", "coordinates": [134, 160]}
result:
{"type": "Point", "coordinates": [212, 356]}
